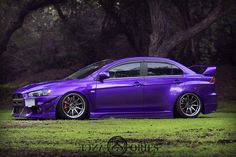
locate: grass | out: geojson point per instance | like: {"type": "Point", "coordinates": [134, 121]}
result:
{"type": "Point", "coordinates": [208, 135]}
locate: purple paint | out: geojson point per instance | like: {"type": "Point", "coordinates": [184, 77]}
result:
{"type": "Point", "coordinates": [142, 96]}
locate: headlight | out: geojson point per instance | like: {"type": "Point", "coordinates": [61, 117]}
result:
{"type": "Point", "coordinates": [43, 92]}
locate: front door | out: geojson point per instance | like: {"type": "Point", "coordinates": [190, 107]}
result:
{"type": "Point", "coordinates": [123, 91]}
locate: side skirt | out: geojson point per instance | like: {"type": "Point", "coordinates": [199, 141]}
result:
{"type": "Point", "coordinates": [163, 114]}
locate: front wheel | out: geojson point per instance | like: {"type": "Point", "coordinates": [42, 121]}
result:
{"type": "Point", "coordinates": [188, 106]}
{"type": "Point", "coordinates": [72, 106]}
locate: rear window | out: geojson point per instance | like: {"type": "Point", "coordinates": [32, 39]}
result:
{"type": "Point", "coordinates": [156, 69]}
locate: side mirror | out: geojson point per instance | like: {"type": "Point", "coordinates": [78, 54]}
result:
{"type": "Point", "coordinates": [103, 75]}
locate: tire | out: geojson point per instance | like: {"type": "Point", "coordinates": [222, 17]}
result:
{"type": "Point", "coordinates": [188, 106]}
{"type": "Point", "coordinates": [72, 106]}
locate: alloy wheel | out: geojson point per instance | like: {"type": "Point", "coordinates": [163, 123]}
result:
{"type": "Point", "coordinates": [190, 104]}
{"type": "Point", "coordinates": [73, 105]}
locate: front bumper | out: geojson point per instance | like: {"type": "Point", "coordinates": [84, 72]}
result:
{"type": "Point", "coordinates": [44, 108]}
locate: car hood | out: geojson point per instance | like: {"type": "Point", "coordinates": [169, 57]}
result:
{"type": "Point", "coordinates": [48, 85]}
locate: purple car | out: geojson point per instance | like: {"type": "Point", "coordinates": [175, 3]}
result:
{"type": "Point", "coordinates": [147, 87]}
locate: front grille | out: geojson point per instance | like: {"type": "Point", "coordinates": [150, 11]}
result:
{"type": "Point", "coordinates": [18, 100]}
{"type": "Point", "coordinates": [18, 104]}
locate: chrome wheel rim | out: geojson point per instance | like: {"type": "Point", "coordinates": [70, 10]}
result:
{"type": "Point", "coordinates": [190, 104]}
{"type": "Point", "coordinates": [73, 105]}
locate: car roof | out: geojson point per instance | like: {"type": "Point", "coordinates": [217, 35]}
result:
{"type": "Point", "coordinates": [145, 58]}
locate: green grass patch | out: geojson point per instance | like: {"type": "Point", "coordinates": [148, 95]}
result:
{"type": "Point", "coordinates": [209, 135]}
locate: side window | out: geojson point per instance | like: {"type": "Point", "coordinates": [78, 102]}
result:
{"type": "Point", "coordinates": [155, 69]}
{"type": "Point", "coordinates": [125, 70]}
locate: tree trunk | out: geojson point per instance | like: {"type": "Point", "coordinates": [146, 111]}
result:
{"type": "Point", "coordinates": [132, 21]}
{"type": "Point", "coordinates": [159, 24]}
{"type": "Point", "coordinates": [138, 27]}
{"type": "Point", "coordinates": [109, 29]}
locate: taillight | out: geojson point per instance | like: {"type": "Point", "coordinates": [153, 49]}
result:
{"type": "Point", "coordinates": [213, 80]}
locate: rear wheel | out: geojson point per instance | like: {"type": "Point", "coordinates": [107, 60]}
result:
{"type": "Point", "coordinates": [72, 106]}
{"type": "Point", "coordinates": [188, 106]}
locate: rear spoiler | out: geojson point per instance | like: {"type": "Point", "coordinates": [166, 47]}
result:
{"type": "Point", "coordinates": [203, 69]}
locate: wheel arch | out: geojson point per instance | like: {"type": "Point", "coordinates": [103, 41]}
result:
{"type": "Point", "coordinates": [185, 92]}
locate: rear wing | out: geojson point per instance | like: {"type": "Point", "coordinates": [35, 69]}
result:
{"type": "Point", "coordinates": [203, 69]}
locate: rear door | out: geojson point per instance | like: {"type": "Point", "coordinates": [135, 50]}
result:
{"type": "Point", "coordinates": [160, 79]}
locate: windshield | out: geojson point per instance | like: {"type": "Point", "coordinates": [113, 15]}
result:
{"type": "Point", "coordinates": [86, 71]}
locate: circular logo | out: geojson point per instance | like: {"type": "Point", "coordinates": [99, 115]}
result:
{"type": "Point", "coordinates": [117, 146]}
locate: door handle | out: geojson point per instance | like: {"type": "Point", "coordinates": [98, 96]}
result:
{"type": "Point", "coordinates": [137, 84]}
{"type": "Point", "coordinates": [177, 81]}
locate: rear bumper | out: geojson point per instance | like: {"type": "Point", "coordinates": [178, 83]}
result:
{"type": "Point", "coordinates": [44, 108]}
{"type": "Point", "coordinates": [209, 103]}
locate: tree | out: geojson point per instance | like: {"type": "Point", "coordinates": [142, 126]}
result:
{"type": "Point", "coordinates": [13, 23]}
{"type": "Point", "coordinates": [128, 17]}
{"type": "Point", "coordinates": [147, 25]}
